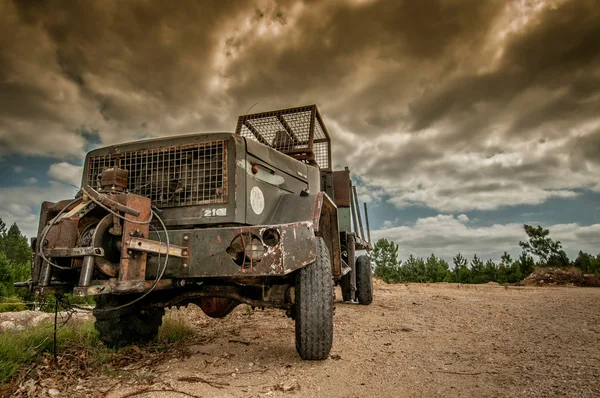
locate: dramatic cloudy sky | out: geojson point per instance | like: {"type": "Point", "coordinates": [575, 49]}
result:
{"type": "Point", "coordinates": [461, 119]}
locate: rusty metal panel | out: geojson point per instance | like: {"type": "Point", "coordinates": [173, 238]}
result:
{"type": "Point", "coordinates": [209, 255]}
{"type": "Point", "coordinates": [341, 188]}
{"type": "Point", "coordinates": [63, 233]}
{"type": "Point", "coordinates": [133, 264]}
{"type": "Point", "coordinates": [328, 229]}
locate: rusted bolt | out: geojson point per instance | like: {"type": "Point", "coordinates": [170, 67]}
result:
{"type": "Point", "coordinates": [186, 238]}
{"type": "Point", "coordinates": [184, 253]}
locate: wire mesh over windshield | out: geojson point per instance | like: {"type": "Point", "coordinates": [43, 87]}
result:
{"type": "Point", "coordinates": [172, 176]}
{"type": "Point", "coordinates": [298, 132]}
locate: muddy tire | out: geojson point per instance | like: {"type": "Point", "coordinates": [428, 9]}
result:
{"type": "Point", "coordinates": [126, 326]}
{"type": "Point", "coordinates": [314, 307]}
{"type": "Point", "coordinates": [364, 280]}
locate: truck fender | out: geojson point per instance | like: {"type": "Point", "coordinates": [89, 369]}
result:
{"type": "Point", "coordinates": [322, 212]}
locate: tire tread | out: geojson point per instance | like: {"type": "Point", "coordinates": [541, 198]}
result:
{"type": "Point", "coordinates": [314, 307]}
{"type": "Point", "coordinates": [125, 326]}
{"type": "Point", "coordinates": [364, 280]}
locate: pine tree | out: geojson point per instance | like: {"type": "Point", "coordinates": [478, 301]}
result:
{"type": "Point", "coordinates": [549, 251]}
{"type": "Point", "coordinates": [477, 270]}
{"type": "Point", "coordinates": [461, 270]}
{"type": "Point", "coordinates": [526, 264]}
{"type": "Point", "coordinates": [384, 257]}
{"type": "Point", "coordinates": [491, 271]}
{"type": "Point", "coordinates": [384, 253]}
{"type": "Point", "coordinates": [16, 247]}
{"type": "Point", "coordinates": [15, 259]}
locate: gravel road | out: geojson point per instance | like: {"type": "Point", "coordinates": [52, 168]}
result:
{"type": "Point", "coordinates": [414, 340]}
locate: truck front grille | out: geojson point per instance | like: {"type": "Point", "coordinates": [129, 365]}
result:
{"type": "Point", "coordinates": [170, 176]}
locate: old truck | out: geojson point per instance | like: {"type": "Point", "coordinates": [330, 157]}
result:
{"type": "Point", "coordinates": [257, 217]}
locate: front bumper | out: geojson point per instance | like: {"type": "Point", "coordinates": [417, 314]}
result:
{"type": "Point", "coordinates": [209, 252]}
{"type": "Point", "coordinates": [201, 254]}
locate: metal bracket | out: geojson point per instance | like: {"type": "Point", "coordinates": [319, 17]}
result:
{"type": "Point", "coordinates": [152, 246]}
{"type": "Point", "coordinates": [74, 252]}
{"type": "Point", "coordinates": [47, 290]}
{"type": "Point", "coordinates": [79, 210]}
{"type": "Point", "coordinates": [186, 246]}
{"type": "Point", "coordinates": [112, 287]}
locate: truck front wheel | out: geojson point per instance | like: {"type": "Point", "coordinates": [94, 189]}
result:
{"type": "Point", "coordinates": [128, 325]}
{"type": "Point", "coordinates": [314, 307]}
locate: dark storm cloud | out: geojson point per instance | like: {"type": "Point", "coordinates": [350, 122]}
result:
{"type": "Point", "coordinates": [559, 51]}
{"type": "Point", "coordinates": [372, 54]}
{"type": "Point", "coordinates": [107, 65]}
{"type": "Point", "coordinates": [447, 103]}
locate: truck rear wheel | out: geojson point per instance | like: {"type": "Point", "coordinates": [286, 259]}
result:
{"type": "Point", "coordinates": [314, 307]}
{"type": "Point", "coordinates": [127, 325]}
{"type": "Point", "coordinates": [364, 280]}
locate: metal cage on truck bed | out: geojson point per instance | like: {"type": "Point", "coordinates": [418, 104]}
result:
{"type": "Point", "coordinates": [297, 132]}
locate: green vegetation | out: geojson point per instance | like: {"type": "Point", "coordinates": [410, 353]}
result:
{"type": "Point", "coordinates": [11, 304]}
{"type": "Point", "coordinates": [15, 260]}
{"type": "Point", "coordinates": [432, 269]}
{"type": "Point", "coordinates": [174, 328]}
{"type": "Point", "coordinates": [19, 350]}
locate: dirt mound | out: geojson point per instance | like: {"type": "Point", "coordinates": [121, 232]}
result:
{"type": "Point", "coordinates": [560, 277]}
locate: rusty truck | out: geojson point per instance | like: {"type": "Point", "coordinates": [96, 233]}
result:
{"type": "Point", "coordinates": [257, 216]}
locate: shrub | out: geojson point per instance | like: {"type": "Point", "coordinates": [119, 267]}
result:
{"type": "Point", "coordinates": [174, 328]}
{"type": "Point", "coordinates": [11, 304]}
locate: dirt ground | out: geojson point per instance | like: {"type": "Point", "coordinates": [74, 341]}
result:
{"type": "Point", "coordinates": [414, 340]}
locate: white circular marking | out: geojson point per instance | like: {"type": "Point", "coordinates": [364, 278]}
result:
{"type": "Point", "coordinates": [257, 200]}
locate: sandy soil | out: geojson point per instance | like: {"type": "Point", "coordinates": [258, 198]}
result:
{"type": "Point", "coordinates": [414, 340]}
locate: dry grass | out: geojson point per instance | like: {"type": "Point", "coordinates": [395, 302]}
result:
{"type": "Point", "coordinates": [27, 354]}
{"type": "Point", "coordinates": [175, 328]}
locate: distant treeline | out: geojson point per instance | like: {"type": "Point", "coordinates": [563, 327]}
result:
{"type": "Point", "coordinates": [538, 251]}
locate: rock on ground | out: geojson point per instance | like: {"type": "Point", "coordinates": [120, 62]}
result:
{"type": "Point", "coordinates": [21, 320]}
